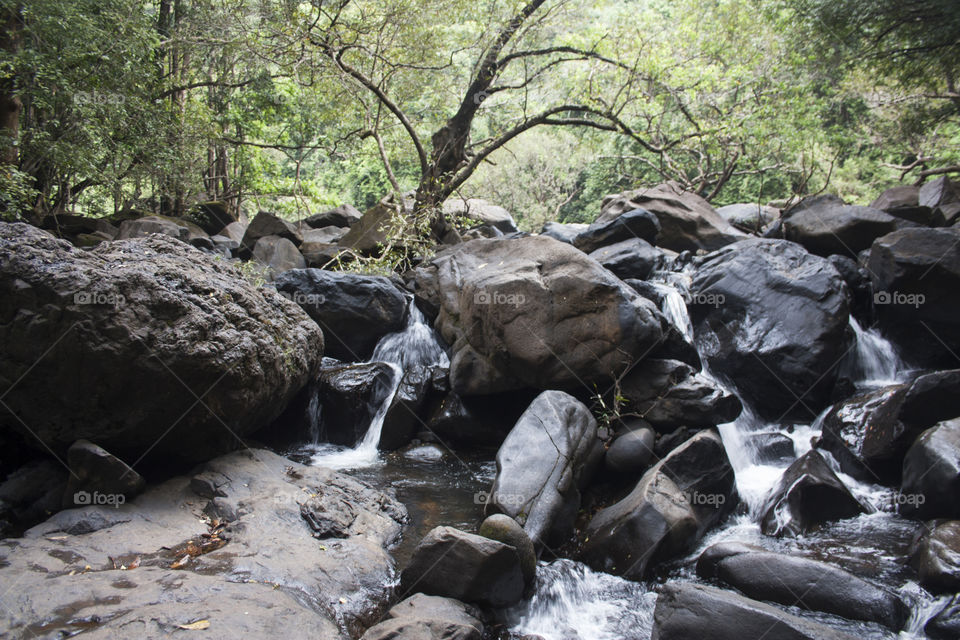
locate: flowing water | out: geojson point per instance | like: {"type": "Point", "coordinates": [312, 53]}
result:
{"type": "Point", "coordinates": [573, 602]}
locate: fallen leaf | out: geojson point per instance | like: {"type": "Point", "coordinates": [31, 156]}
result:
{"type": "Point", "coordinates": [179, 564]}
{"type": "Point", "coordinates": [199, 625]}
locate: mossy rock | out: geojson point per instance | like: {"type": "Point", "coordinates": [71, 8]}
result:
{"type": "Point", "coordinates": [505, 529]}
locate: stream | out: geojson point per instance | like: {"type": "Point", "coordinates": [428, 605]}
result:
{"type": "Point", "coordinates": [573, 602]}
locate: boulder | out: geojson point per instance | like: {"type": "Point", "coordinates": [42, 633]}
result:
{"type": "Point", "coordinates": [828, 228]}
{"type": "Point", "coordinates": [322, 255]}
{"type": "Point", "coordinates": [427, 617]}
{"type": "Point", "coordinates": [687, 221]}
{"type": "Point", "coordinates": [772, 318]}
{"type": "Point", "coordinates": [668, 511]}
{"type": "Point", "coordinates": [904, 202]}
{"type": "Point", "coordinates": [669, 394]}
{"type": "Point", "coordinates": [324, 235]}
{"type": "Point", "coordinates": [482, 212]}
{"type": "Point", "coordinates": [152, 566]}
{"type": "Point", "coordinates": [809, 493]}
{"type": "Point", "coordinates": [211, 216]}
{"type": "Point", "coordinates": [178, 228]}
{"type": "Point", "coordinates": [935, 555]}
{"type": "Point", "coordinates": [181, 357]}
{"type": "Point", "coordinates": [808, 584]}
{"type": "Point", "coordinates": [631, 258]}
{"type": "Point", "coordinates": [268, 224]}
{"type": "Point", "coordinates": [343, 216]}
{"type": "Point", "coordinates": [455, 564]}
{"type": "Point", "coordinates": [355, 311]}
{"type": "Point", "coordinates": [687, 610]}
{"type": "Point", "coordinates": [349, 396]}
{"type": "Point", "coordinates": [772, 447]}
{"type": "Point", "coordinates": [478, 420]}
{"type": "Point", "coordinates": [749, 217]}
{"type": "Point", "coordinates": [931, 469]}
{"type": "Point", "coordinates": [403, 417]}
{"type": "Point", "coordinates": [548, 457]}
{"type": "Point", "coordinates": [71, 226]}
{"type": "Point", "coordinates": [564, 232]}
{"type": "Point", "coordinates": [235, 231]}
{"type": "Point", "coordinates": [943, 196]}
{"type": "Point", "coordinates": [946, 624]}
{"type": "Point", "coordinates": [505, 529]}
{"type": "Point", "coordinates": [631, 452]}
{"type": "Point", "coordinates": [915, 274]}
{"type": "Point", "coordinates": [277, 255]}
{"type": "Point", "coordinates": [533, 312]}
{"type": "Point", "coordinates": [30, 494]}
{"type": "Point", "coordinates": [368, 236]}
{"type": "Point", "coordinates": [97, 474]}
{"type": "Point", "coordinates": [636, 223]}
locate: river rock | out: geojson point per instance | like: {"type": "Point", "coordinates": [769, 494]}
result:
{"type": "Point", "coordinates": [749, 217]}
{"type": "Point", "coordinates": [268, 224]}
{"type": "Point", "coordinates": [783, 363]}
{"type": "Point", "coordinates": [111, 570]}
{"type": "Point", "coordinates": [827, 228]}
{"type": "Point", "coordinates": [808, 584]}
{"type": "Point", "coordinates": [94, 471]}
{"type": "Point", "coordinates": [935, 555]}
{"type": "Point", "coordinates": [548, 457]}
{"type": "Point", "coordinates": [915, 274]}
{"type": "Point", "coordinates": [505, 529]}
{"type": "Point", "coordinates": [454, 564]}
{"type": "Point", "coordinates": [30, 494]}
{"type": "Point", "coordinates": [904, 202]}
{"type": "Point", "coordinates": [277, 255]}
{"type": "Point", "coordinates": [563, 232]}
{"type": "Point", "coordinates": [631, 258]}
{"type": "Point", "coordinates": [211, 216]}
{"type": "Point", "coordinates": [687, 610]}
{"type": "Point", "coordinates": [533, 312]}
{"type": "Point", "coordinates": [931, 469]}
{"type": "Point", "coordinates": [427, 617]}
{"type": "Point", "coordinates": [349, 395]}
{"type": "Point", "coordinates": [72, 226]}
{"type": "Point", "coordinates": [371, 233]}
{"type": "Point", "coordinates": [631, 452]}
{"type": "Point", "coordinates": [180, 356]}
{"type": "Point", "coordinates": [687, 221]}
{"type": "Point", "coordinates": [943, 196]}
{"type": "Point", "coordinates": [636, 223]}
{"type": "Point", "coordinates": [669, 394]}
{"type": "Point", "coordinates": [668, 511]}
{"type": "Point", "coordinates": [343, 216]}
{"type": "Point", "coordinates": [355, 311]}
{"type": "Point", "coordinates": [809, 493]}
{"type": "Point", "coordinates": [323, 235]}
{"type": "Point", "coordinates": [946, 624]}
{"type": "Point", "coordinates": [482, 212]}
{"type": "Point", "coordinates": [178, 228]}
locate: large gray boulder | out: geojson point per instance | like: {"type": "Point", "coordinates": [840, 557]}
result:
{"type": "Point", "coordinates": [637, 223]}
{"type": "Point", "coordinates": [931, 469]}
{"type": "Point", "coordinates": [749, 217]}
{"type": "Point", "coordinates": [564, 232]}
{"type": "Point", "coordinates": [669, 510]}
{"type": "Point", "coordinates": [481, 212]}
{"type": "Point", "coordinates": [904, 202]}
{"type": "Point", "coordinates": [773, 319]}
{"type": "Point", "coordinates": [915, 275]}
{"type": "Point", "coordinates": [935, 555]}
{"type": "Point", "coordinates": [423, 617]}
{"type": "Point", "coordinates": [152, 347]}
{"type": "Point", "coordinates": [173, 557]}
{"type": "Point", "coordinates": [829, 227]}
{"type": "Point", "coordinates": [353, 310]}
{"type": "Point", "coordinates": [808, 584]}
{"type": "Point", "coordinates": [687, 610]}
{"type": "Point", "coordinates": [548, 457]}
{"type": "Point", "coordinates": [533, 312]}
{"type": "Point", "coordinates": [455, 564]}
{"type": "Point", "coordinates": [943, 196]}
{"type": "Point", "coordinates": [631, 258]}
{"type": "Point", "coordinates": [345, 215]}
{"type": "Point", "coordinates": [268, 224]}
{"type": "Point", "coordinates": [277, 255]}
{"type": "Point", "coordinates": [687, 221]}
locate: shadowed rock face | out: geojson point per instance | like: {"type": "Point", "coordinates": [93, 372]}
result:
{"type": "Point", "coordinates": [772, 318]}
{"type": "Point", "coordinates": [533, 312]}
{"type": "Point", "coordinates": [143, 346]}
{"type": "Point", "coordinates": [290, 551]}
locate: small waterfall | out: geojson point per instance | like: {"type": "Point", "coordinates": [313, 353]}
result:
{"type": "Point", "coordinates": [874, 361]}
{"type": "Point", "coordinates": [674, 307]}
{"type": "Point", "coordinates": [414, 347]}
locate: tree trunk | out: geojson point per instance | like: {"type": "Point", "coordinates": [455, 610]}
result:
{"type": "Point", "coordinates": [10, 105]}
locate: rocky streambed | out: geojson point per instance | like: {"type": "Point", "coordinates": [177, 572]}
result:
{"type": "Point", "coordinates": [675, 422]}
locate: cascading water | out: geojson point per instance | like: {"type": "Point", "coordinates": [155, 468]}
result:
{"type": "Point", "coordinates": [415, 347]}
{"type": "Point", "coordinates": [573, 602]}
